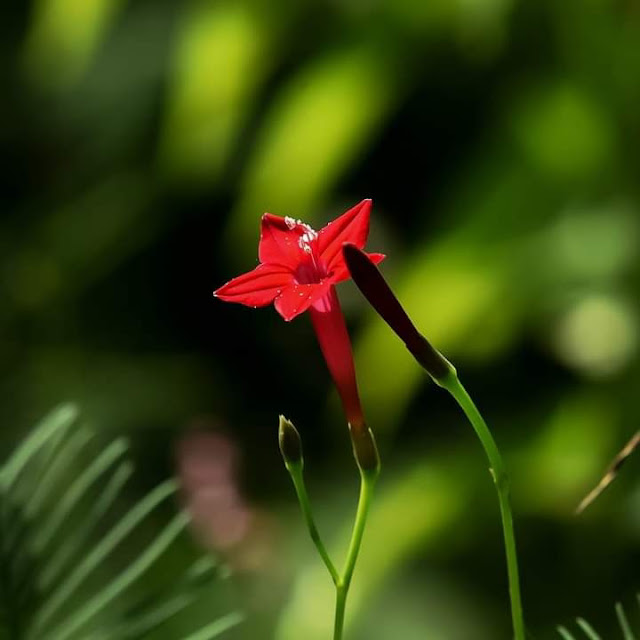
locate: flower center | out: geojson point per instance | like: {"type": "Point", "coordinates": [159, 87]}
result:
{"type": "Point", "coordinates": [310, 269]}
{"type": "Point", "coordinates": [307, 273]}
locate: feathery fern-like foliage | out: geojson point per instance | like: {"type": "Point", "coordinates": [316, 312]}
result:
{"type": "Point", "coordinates": [75, 562]}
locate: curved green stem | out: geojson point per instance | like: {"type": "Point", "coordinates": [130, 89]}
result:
{"type": "Point", "coordinates": [453, 385]}
{"type": "Point", "coordinates": [296, 473]}
{"type": "Point", "coordinates": [367, 483]}
{"type": "Point", "coordinates": [366, 455]}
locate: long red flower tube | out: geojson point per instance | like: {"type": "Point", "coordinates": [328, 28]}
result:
{"type": "Point", "coordinates": [298, 271]}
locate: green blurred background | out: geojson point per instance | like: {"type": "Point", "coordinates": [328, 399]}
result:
{"type": "Point", "coordinates": [499, 139]}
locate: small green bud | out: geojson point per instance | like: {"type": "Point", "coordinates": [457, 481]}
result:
{"type": "Point", "coordinates": [365, 449]}
{"type": "Point", "coordinates": [290, 443]}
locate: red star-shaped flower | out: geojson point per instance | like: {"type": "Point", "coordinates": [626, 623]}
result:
{"type": "Point", "coordinates": [298, 266]}
{"type": "Point", "coordinates": [297, 272]}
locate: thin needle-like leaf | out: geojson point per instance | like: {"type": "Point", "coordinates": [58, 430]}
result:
{"type": "Point", "coordinates": [29, 483]}
{"type": "Point", "coordinates": [136, 515]}
{"type": "Point", "coordinates": [60, 418]}
{"type": "Point", "coordinates": [627, 633]}
{"type": "Point", "coordinates": [54, 472]}
{"type": "Point", "coordinates": [53, 566]}
{"type": "Point", "coordinates": [163, 605]}
{"type": "Point", "coordinates": [79, 618]}
{"type": "Point", "coordinates": [197, 575]}
{"type": "Point", "coordinates": [142, 625]}
{"type": "Point", "coordinates": [565, 633]}
{"type": "Point", "coordinates": [77, 491]}
{"type": "Point", "coordinates": [589, 631]}
{"type": "Point", "coordinates": [214, 629]}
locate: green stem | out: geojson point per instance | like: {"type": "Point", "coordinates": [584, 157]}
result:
{"type": "Point", "coordinates": [341, 605]}
{"type": "Point", "coordinates": [367, 483]}
{"type": "Point", "coordinates": [296, 473]}
{"type": "Point", "coordinates": [453, 385]}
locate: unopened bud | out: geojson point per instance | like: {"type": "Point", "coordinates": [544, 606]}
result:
{"type": "Point", "coordinates": [430, 359]}
{"type": "Point", "coordinates": [379, 295]}
{"type": "Point", "coordinates": [290, 443]}
{"type": "Point", "coordinates": [365, 449]}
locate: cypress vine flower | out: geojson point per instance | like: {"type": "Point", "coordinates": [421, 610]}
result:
{"type": "Point", "coordinates": [298, 271]}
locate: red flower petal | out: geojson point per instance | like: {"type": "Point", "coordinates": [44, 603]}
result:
{"type": "Point", "coordinates": [297, 298]}
{"type": "Point", "coordinates": [341, 272]}
{"type": "Point", "coordinates": [352, 226]}
{"type": "Point", "coordinates": [256, 288]}
{"type": "Point", "coordinates": [280, 240]}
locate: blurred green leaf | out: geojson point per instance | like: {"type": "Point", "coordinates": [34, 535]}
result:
{"type": "Point", "coordinates": [222, 55]}
{"type": "Point", "coordinates": [566, 453]}
{"type": "Point", "coordinates": [318, 126]}
{"type": "Point", "coordinates": [63, 37]}
{"type": "Point", "coordinates": [565, 132]}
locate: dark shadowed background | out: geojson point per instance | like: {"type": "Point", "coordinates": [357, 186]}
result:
{"type": "Point", "coordinates": [500, 142]}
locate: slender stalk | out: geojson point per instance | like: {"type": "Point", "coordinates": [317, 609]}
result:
{"type": "Point", "coordinates": [367, 483]}
{"type": "Point", "coordinates": [296, 473]}
{"type": "Point", "coordinates": [453, 385]}
{"type": "Point", "coordinates": [366, 456]}
{"type": "Point", "coordinates": [341, 605]}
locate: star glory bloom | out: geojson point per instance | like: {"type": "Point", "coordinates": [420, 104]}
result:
{"type": "Point", "coordinates": [298, 271]}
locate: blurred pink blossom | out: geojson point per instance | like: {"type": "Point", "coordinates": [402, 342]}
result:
{"type": "Point", "coordinates": [222, 519]}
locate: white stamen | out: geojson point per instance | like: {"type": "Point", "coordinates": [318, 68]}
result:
{"type": "Point", "coordinates": [307, 238]}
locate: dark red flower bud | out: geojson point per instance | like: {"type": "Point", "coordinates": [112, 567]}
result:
{"type": "Point", "coordinates": [376, 290]}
